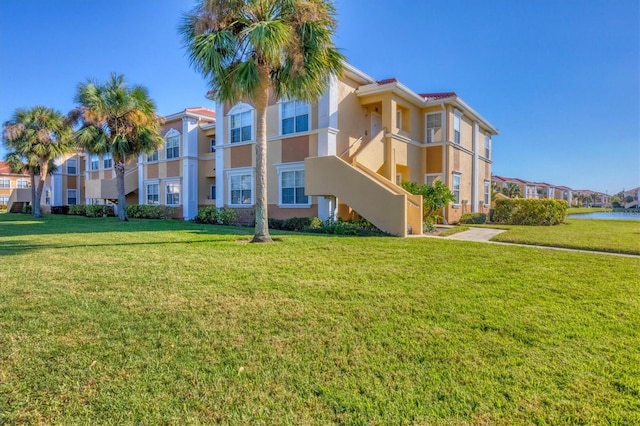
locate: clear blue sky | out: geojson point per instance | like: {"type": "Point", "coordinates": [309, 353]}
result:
{"type": "Point", "coordinates": [560, 79]}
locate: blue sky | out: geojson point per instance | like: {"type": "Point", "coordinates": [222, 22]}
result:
{"type": "Point", "coordinates": [560, 79]}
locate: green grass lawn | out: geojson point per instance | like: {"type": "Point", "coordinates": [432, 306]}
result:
{"type": "Point", "coordinates": [167, 322]}
{"type": "Point", "coordinates": [616, 236]}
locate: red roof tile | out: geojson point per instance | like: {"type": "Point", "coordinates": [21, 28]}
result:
{"type": "Point", "coordinates": [5, 169]}
{"type": "Point", "coordinates": [436, 96]}
{"type": "Point", "coordinates": [387, 81]}
{"type": "Point", "coordinates": [202, 111]}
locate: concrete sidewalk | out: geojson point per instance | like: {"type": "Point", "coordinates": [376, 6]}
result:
{"type": "Point", "coordinates": [476, 234]}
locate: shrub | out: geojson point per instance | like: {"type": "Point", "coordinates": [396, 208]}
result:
{"type": "Point", "coordinates": [141, 211]}
{"type": "Point", "coordinates": [60, 210]}
{"type": "Point", "coordinates": [3, 207]}
{"type": "Point", "coordinates": [341, 227]}
{"type": "Point", "coordinates": [519, 211]}
{"type": "Point", "coordinates": [78, 210]}
{"type": "Point", "coordinates": [477, 218]}
{"type": "Point", "coordinates": [216, 216]}
{"type": "Point", "coordinates": [98, 210]}
{"type": "Point", "coordinates": [276, 223]}
{"type": "Point", "coordinates": [27, 209]}
{"type": "Point", "coordinates": [434, 198]}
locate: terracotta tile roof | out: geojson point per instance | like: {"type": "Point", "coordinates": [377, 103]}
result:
{"type": "Point", "coordinates": [387, 81]}
{"type": "Point", "coordinates": [436, 96]}
{"type": "Point", "coordinates": [202, 111]}
{"type": "Point", "coordinates": [5, 169]}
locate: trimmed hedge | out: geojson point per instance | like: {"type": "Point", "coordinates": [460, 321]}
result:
{"type": "Point", "coordinates": [473, 218]}
{"type": "Point", "coordinates": [60, 210]}
{"type": "Point", "coordinates": [141, 211]}
{"type": "Point", "coordinates": [520, 211]}
{"type": "Point", "coordinates": [77, 209]}
{"type": "Point", "coordinates": [216, 216]}
{"type": "Point", "coordinates": [295, 223]}
{"type": "Point", "coordinates": [98, 210]}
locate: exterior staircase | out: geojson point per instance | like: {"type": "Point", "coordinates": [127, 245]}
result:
{"type": "Point", "coordinates": [18, 198]}
{"type": "Point", "coordinates": [106, 189]}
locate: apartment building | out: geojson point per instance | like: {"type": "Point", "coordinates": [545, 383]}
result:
{"type": "Point", "coordinates": [14, 187]}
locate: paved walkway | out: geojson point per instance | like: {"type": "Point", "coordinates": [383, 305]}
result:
{"type": "Point", "coordinates": [484, 235]}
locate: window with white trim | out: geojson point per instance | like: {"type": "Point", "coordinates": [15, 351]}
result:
{"type": "Point", "coordinates": [107, 160]}
{"type": "Point", "coordinates": [22, 183]}
{"type": "Point", "coordinates": [434, 127]}
{"type": "Point", "coordinates": [172, 141]}
{"type": "Point", "coordinates": [456, 126]}
{"type": "Point", "coordinates": [456, 188]}
{"type": "Point", "coordinates": [241, 125]}
{"type": "Point", "coordinates": [431, 178]}
{"type": "Point", "coordinates": [5, 183]}
{"type": "Point", "coordinates": [240, 188]}
{"type": "Point", "coordinates": [172, 193]}
{"type": "Point", "coordinates": [487, 146]}
{"type": "Point", "coordinates": [72, 197]}
{"type": "Point", "coordinates": [212, 146]}
{"type": "Point", "coordinates": [4, 200]}
{"type": "Point", "coordinates": [47, 196]}
{"type": "Point", "coordinates": [212, 192]}
{"type": "Point", "coordinates": [295, 117]}
{"type": "Point", "coordinates": [153, 157]}
{"type": "Point", "coordinates": [72, 166]}
{"type": "Point", "coordinates": [94, 162]}
{"type": "Point", "coordinates": [153, 193]}
{"type": "Point", "coordinates": [487, 192]}
{"type": "Point", "coordinates": [292, 185]}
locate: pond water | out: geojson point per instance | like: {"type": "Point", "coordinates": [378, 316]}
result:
{"type": "Point", "coordinates": [607, 215]}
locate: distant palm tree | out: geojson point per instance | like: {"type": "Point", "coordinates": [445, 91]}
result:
{"type": "Point", "coordinates": [117, 119]}
{"type": "Point", "coordinates": [512, 190]}
{"type": "Point", "coordinates": [35, 137]}
{"type": "Point", "coordinates": [247, 48]}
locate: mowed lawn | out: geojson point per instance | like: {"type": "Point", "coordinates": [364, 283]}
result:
{"type": "Point", "coordinates": [167, 322]}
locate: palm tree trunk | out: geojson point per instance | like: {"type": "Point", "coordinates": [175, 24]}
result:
{"type": "Point", "coordinates": [261, 233]}
{"type": "Point", "coordinates": [44, 170]}
{"type": "Point", "coordinates": [122, 207]}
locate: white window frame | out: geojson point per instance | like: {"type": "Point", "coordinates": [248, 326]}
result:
{"type": "Point", "coordinates": [47, 196]}
{"type": "Point", "coordinates": [69, 166]}
{"type": "Point", "coordinates": [432, 134]}
{"type": "Point", "coordinates": [238, 110]}
{"type": "Point", "coordinates": [457, 118]}
{"type": "Point", "coordinates": [4, 200]}
{"type": "Point", "coordinates": [108, 157]}
{"type": "Point", "coordinates": [146, 191]}
{"type": "Point", "coordinates": [212, 192]}
{"type": "Point", "coordinates": [5, 183]}
{"type": "Point", "coordinates": [296, 104]}
{"type": "Point", "coordinates": [487, 192]}
{"type": "Point", "coordinates": [94, 162]}
{"type": "Point", "coordinates": [241, 171]}
{"type": "Point", "coordinates": [167, 184]}
{"type": "Point", "coordinates": [212, 146]}
{"type": "Point", "coordinates": [399, 118]}
{"type": "Point", "coordinates": [172, 141]}
{"type": "Point", "coordinates": [75, 195]}
{"type": "Point", "coordinates": [456, 192]}
{"type": "Point", "coordinates": [487, 146]}
{"type": "Point", "coordinates": [435, 176]}
{"type": "Point", "coordinates": [297, 166]}
{"type": "Point", "coordinates": [153, 157]}
{"type": "Point", "coordinates": [22, 183]}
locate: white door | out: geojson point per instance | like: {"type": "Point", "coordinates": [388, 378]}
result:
{"type": "Point", "coordinates": [376, 124]}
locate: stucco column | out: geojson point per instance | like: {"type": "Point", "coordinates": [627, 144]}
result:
{"type": "Point", "coordinates": [474, 174]}
{"type": "Point", "coordinates": [389, 125]}
{"type": "Point", "coordinates": [220, 140]}
{"type": "Point", "coordinates": [141, 188]}
{"type": "Point", "coordinates": [189, 168]}
{"type": "Point", "coordinates": [327, 141]}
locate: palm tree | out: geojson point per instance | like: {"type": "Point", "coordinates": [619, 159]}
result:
{"type": "Point", "coordinates": [117, 119]}
{"type": "Point", "coordinates": [18, 163]}
{"type": "Point", "coordinates": [512, 190]}
{"type": "Point", "coordinates": [247, 48]}
{"type": "Point", "coordinates": [36, 136]}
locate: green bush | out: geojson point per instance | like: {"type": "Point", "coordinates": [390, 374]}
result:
{"type": "Point", "coordinates": [475, 218]}
{"type": "Point", "coordinates": [98, 210]}
{"type": "Point", "coordinates": [295, 223]}
{"type": "Point", "coordinates": [3, 207]}
{"type": "Point", "coordinates": [341, 227]}
{"type": "Point", "coordinates": [78, 209]}
{"type": "Point", "coordinates": [27, 209]}
{"type": "Point", "coordinates": [141, 211]}
{"type": "Point", "coordinates": [519, 211]}
{"type": "Point", "coordinates": [216, 216]}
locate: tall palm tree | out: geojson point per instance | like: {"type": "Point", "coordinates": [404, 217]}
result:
{"type": "Point", "coordinates": [117, 119]}
{"type": "Point", "coordinates": [512, 190]}
{"type": "Point", "coordinates": [36, 136]}
{"type": "Point", "coordinates": [249, 48]}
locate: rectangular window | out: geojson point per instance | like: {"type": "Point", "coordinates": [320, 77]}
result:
{"type": "Point", "coordinates": [241, 127]}
{"type": "Point", "coordinates": [487, 192]}
{"type": "Point", "coordinates": [152, 157]}
{"type": "Point", "coordinates": [292, 187]}
{"type": "Point", "coordinates": [107, 160]}
{"type": "Point", "coordinates": [22, 183]}
{"type": "Point", "coordinates": [153, 194]}
{"type": "Point", "coordinates": [212, 192]}
{"type": "Point", "coordinates": [72, 166]}
{"type": "Point", "coordinates": [72, 197]}
{"type": "Point", "coordinates": [487, 146]}
{"type": "Point", "coordinates": [47, 196]}
{"type": "Point", "coordinates": [434, 127]}
{"type": "Point", "coordinates": [399, 118]}
{"type": "Point", "coordinates": [5, 183]}
{"type": "Point", "coordinates": [173, 147]}
{"type": "Point", "coordinates": [240, 189]}
{"type": "Point", "coordinates": [4, 200]}
{"type": "Point", "coordinates": [456, 188]}
{"type": "Point", "coordinates": [456, 128]}
{"type": "Point", "coordinates": [295, 117]}
{"type": "Point", "coordinates": [212, 147]}
{"type": "Point", "coordinates": [431, 179]}
{"type": "Point", "coordinates": [173, 194]}
{"type": "Point", "coordinates": [94, 162]}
